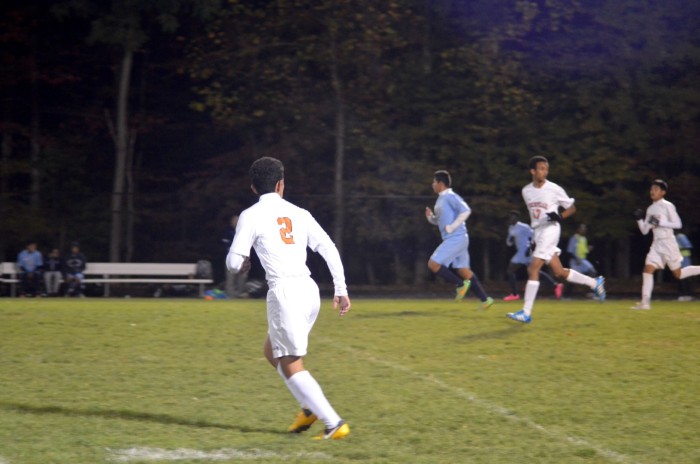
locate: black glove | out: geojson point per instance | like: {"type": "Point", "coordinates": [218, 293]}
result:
{"type": "Point", "coordinates": [654, 221]}
{"type": "Point", "coordinates": [553, 217]}
{"type": "Point", "coordinates": [638, 214]}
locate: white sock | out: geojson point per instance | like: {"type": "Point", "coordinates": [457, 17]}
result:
{"type": "Point", "coordinates": [530, 294]}
{"type": "Point", "coordinates": [298, 395]}
{"type": "Point", "coordinates": [690, 271]}
{"type": "Point", "coordinates": [647, 287]}
{"type": "Point", "coordinates": [314, 397]}
{"type": "Point", "coordinates": [578, 278]}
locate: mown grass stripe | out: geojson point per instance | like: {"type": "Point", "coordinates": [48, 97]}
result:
{"type": "Point", "coordinates": [224, 454]}
{"type": "Point", "coordinates": [489, 406]}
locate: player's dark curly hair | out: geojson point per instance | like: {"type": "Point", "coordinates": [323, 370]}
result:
{"type": "Point", "coordinates": [444, 177]}
{"type": "Point", "coordinates": [536, 159]}
{"type": "Point", "coordinates": [264, 173]}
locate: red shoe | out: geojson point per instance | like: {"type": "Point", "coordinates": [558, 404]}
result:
{"type": "Point", "coordinates": [512, 297]}
{"type": "Point", "coordinates": [558, 290]}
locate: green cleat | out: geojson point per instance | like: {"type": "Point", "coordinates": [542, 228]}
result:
{"type": "Point", "coordinates": [461, 292]}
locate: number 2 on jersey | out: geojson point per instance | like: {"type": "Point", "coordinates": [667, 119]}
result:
{"type": "Point", "coordinates": [286, 230]}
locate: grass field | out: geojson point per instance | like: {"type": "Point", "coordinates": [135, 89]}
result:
{"type": "Point", "coordinates": [419, 381]}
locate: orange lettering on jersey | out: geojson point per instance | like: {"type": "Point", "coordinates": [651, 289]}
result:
{"type": "Point", "coordinates": [536, 213]}
{"type": "Point", "coordinates": [286, 231]}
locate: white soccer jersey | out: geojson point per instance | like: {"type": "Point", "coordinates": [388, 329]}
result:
{"type": "Point", "coordinates": [543, 200]}
{"type": "Point", "coordinates": [668, 218]}
{"type": "Point", "coordinates": [280, 232]}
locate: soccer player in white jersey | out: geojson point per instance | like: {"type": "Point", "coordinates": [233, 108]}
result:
{"type": "Point", "coordinates": [544, 200]}
{"type": "Point", "coordinates": [661, 218]}
{"type": "Point", "coordinates": [520, 236]}
{"type": "Point", "coordinates": [451, 212]}
{"type": "Point", "coordinates": [280, 233]}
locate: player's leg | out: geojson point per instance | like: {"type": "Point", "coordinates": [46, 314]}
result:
{"type": "Point", "coordinates": [462, 263]}
{"type": "Point", "coordinates": [512, 272]}
{"type": "Point", "coordinates": [654, 260]}
{"type": "Point", "coordinates": [557, 287]}
{"type": "Point", "coordinates": [440, 260]}
{"type": "Point", "coordinates": [575, 277]}
{"type": "Point", "coordinates": [476, 287]}
{"type": "Point", "coordinates": [647, 287]}
{"type": "Point", "coordinates": [533, 284]}
{"type": "Point", "coordinates": [299, 303]}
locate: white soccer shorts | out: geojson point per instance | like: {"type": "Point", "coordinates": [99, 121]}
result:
{"type": "Point", "coordinates": [292, 307]}
{"type": "Point", "coordinates": [664, 253]}
{"type": "Point", "coordinates": [546, 239]}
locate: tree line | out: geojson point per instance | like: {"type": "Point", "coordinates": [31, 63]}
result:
{"type": "Point", "coordinates": [130, 125]}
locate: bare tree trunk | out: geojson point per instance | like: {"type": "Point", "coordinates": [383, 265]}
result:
{"type": "Point", "coordinates": [338, 190]}
{"type": "Point", "coordinates": [121, 144]}
{"type": "Point", "coordinates": [5, 155]}
{"type": "Point", "coordinates": [130, 192]}
{"type": "Point", "coordinates": [35, 151]}
{"type": "Point", "coordinates": [486, 259]}
{"type": "Point", "coordinates": [622, 258]}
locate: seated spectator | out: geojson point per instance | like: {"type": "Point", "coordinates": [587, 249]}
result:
{"type": "Point", "coordinates": [73, 267]}
{"type": "Point", "coordinates": [52, 272]}
{"type": "Point", "coordinates": [29, 266]}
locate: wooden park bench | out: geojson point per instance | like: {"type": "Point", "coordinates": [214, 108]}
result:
{"type": "Point", "coordinates": [124, 273]}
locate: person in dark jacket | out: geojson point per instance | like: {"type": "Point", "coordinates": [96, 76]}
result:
{"type": "Point", "coordinates": [53, 275]}
{"type": "Point", "coordinates": [73, 267]}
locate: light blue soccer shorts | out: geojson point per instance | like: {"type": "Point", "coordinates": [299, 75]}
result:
{"type": "Point", "coordinates": [453, 251]}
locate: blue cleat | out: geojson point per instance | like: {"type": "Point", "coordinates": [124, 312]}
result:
{"type": "Point", "coordinates": [520, 316]}
{"type": "Point", "coordinates": [600, 288]}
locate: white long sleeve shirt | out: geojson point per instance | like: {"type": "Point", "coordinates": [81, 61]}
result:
{"type": "Point", "coordinates": [280, 232]}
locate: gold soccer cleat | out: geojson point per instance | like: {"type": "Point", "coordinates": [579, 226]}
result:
{"type": "Point", "coordinates": [303, 421]}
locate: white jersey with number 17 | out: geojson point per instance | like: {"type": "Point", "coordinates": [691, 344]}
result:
{"type": "Point", "coordinates": [545, 199]}
{"type": "Point", "coordinates": [280, 232]}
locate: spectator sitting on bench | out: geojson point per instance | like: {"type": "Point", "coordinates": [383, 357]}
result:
{"type": "Point", "coordinates": [29, 266]}
{"type": "Point", "coordinates": [74, 265]}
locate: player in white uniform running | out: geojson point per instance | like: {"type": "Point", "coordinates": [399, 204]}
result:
{"type": "Point", "coordinates": [280, 233]}
{"type": "Point", "coordinates": [543, 200]}
{"type": "Point", "coordinates": [520, 236]}
{"type": "Point", "coordinates": [661, 218]}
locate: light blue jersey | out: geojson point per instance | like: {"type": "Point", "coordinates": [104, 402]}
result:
{"type": "Point", "coordinates": [29, 261]}
{"type": "Point", "coordinates": [448, 206]}
{"type": "Point", "coordinates": [454, 249]}
{"type": "Point", "coordinates": [520, 235]}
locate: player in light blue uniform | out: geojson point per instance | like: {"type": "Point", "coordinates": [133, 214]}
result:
{"type": "Point", "coordinates": [520, 235]}
{"type": "Point", "coordinates": [450, 214]}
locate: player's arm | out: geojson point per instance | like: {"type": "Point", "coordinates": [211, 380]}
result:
{"type": "Point", "coordinates": [237, 263]}
{"type": "Point", "coordinates": [321, 243]}
{"type": "Point", "coordinates": [463, 216]}
{"type": "Point", "coordinates": [644, 227]}
{"type": "Point", "coordinates": [238, 257]}
{"type": "Point", "coordinates": [568, 212]}
{"type": "Point", "coordinates": [430, 216]}
{"type": "Point", "coordinates": [673, 222]}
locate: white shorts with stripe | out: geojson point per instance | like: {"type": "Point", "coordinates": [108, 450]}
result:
{"type": "Point", "coordinates": [292, 307]}
{"type": "Point", "coordinates": [546, 239]}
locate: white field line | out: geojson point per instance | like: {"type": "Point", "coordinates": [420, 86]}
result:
{"type": "Point", "coordinates": [224, 454]}
{"type": "Point", "coordinates": [489, 406]}
{"type": "Point", "coordinates": [4, 461]}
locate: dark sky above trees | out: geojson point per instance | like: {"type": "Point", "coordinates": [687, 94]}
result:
{"type": "Point", "coordinates": [383, 92]}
